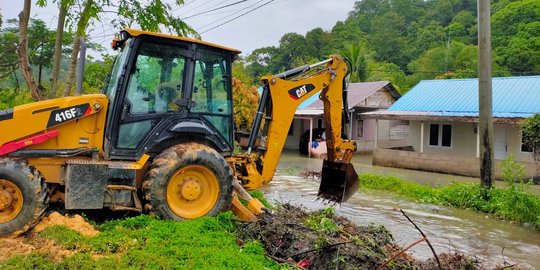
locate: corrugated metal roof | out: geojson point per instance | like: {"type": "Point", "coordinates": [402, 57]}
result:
{"type": "Point", "coordinates": [512, 97]}
{"type": "Point", "coordinates": [357, 92]}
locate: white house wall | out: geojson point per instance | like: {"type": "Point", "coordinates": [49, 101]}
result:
{"type": "Point", "coordinates": [463, 142]}
{"type": "Point", "coordinates": [292, 140]}
{"type": "Point", "coordinates": [461, 158]}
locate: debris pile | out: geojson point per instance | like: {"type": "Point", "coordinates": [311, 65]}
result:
{"type": "Point", "coordinates": [322, 240]}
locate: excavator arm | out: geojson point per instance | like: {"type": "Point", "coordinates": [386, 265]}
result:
{"type": "Point", "coordinates": [282, 94]}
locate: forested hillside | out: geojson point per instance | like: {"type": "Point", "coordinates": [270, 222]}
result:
{"type": "Point", "coordinates": [405, 41]}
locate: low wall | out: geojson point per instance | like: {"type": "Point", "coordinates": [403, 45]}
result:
{"type": "Point", "coordinates": [438, 163]}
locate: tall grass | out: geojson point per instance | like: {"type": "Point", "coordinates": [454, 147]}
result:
{"type": "Point", "coordinates": [513, 203]}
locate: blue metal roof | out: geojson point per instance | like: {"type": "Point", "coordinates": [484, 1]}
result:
{"type": "Point", "coordinates": [512, 97]}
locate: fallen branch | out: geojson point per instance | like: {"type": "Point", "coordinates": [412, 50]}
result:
{"type": "Point", "coordinates": [425, 237]}
{"type": "Point", "coordinates": [401, 252]}
{"type": "Point", "coordinates": [325, 247]}
{"type": "Point", "coordinates": [508, 266]}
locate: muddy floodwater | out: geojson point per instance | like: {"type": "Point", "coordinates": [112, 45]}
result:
{"type": "Point", "coordinates": [490, 240]}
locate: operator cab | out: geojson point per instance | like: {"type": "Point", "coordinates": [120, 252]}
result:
{"type": "Point", "coordinates": [165, 89]}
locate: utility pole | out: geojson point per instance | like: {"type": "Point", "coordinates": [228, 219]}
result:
{"type": "Point", "coordinates": [485, 123]}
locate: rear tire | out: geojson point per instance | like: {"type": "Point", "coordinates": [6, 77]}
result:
{"type": "Point", "coordinates": [23, 197]}
{"type": "Point", "coordinates": [188, 181]}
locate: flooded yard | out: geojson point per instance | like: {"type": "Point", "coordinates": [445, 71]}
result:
{"type": "Point", "coordinates": [448, 229]}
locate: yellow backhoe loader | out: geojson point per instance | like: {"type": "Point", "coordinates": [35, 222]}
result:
{"type": "Point", "coordinates": [159, 139]}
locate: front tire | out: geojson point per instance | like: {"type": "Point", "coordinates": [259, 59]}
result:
{"type": "Point", "coordinates": [23, 197]}
{"type": "Point", "coordinates": [188, 181]}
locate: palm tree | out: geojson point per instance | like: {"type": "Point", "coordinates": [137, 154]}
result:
{"type": "Point", "coordinates": [358, 55]}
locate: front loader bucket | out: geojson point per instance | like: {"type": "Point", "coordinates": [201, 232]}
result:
{"type": "Point", "coordinates": [339, 181]}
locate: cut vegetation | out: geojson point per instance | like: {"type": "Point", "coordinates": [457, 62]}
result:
{"type": "Point", "coordinates": [286, 238]}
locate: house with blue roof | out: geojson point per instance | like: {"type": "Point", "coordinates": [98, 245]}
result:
{"type": "Point", "coordinates": [442, 118]}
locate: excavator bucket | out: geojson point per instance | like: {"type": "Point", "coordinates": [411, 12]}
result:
{"type": "Point", "coordinates": [339, 181]}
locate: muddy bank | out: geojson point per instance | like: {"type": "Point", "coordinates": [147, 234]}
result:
{"type": "Point", "coordinates": [322, 240]}
{"type": "Point", "coordinates": [31, 242]}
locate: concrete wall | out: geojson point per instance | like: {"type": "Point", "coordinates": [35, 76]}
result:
{"type": "Point", "coordinates": [468, 166]}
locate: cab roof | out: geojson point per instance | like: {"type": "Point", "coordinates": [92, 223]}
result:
{"type": "Point", "coordinates": [135, 33]}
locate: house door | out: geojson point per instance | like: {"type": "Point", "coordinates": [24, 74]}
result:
{"type": "Point", "coordinates": [500, 142]}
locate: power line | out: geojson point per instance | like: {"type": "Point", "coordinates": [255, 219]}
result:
{"type": "Point", "coordinates": [195, 8]}
{"type": "Point", "coordinates": [214, 9]}
{"type": "Point", "coordinates": [185, 4]}
{"type": "Point", "coordinates": [228, 16]}
{"type": "Point", "coordinates": [243, 14]}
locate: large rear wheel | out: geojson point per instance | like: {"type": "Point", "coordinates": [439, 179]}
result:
{"type": "Point", "coordinates": [23, 197]}
{"type": "Point", "coordinates": [188, 181]}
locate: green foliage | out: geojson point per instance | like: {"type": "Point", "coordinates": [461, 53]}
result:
{"type": "Point", "coordinates": [455, 56]}
{"type": "Point", "coordinates": [516, 36]}
{"type": "Point", "coordinates": [144, 242]}
{"type": "Point", "coordinates": [245, 99]}
{"type": "Point", "coordinates": [512, 171]}
{"type": "Point", "coordinates": [151, 15]}
{"type": "Point", "coordinates": [323, 221]}
{"type": "Point", "coordinates": [358, 55]}
{"type": "Point", "coordinates": [10, 98]}
{"type": "Point", "coordinates": [95, 74]}
{"type": "Point", "coordinates": [513, 203]}
{"type": "Point", "coordinates": [531, 135]}
{"type": "Point", "coordinates": [260, 196]}
{"type": "Point", "coordinates": [415, 40]}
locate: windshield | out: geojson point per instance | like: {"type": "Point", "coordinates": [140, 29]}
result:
{"type": "Point", "coordinates": [119, 63]}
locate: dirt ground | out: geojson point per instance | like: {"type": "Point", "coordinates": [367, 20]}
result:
{"type": "Point", "coordinates": [76, 223]}
{"type": "Point", "coordinates": [30, 242]}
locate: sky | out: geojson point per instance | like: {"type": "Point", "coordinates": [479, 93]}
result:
{"type": "Point", "coordinates": [260, 28]}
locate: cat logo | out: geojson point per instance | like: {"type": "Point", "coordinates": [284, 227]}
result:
{"type": "Point", "coordinates": [300, 91]}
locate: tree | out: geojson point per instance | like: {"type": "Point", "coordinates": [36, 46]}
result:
{"type": "Point", "coordinates": [95, 74]}
{"type": "Point", "coordinates": [245, 97]}
{"type": "Point", "coordinates": [382, 71]}
{"type": "Point", "coordinates": [41, 51]}
{"type": "Point", "coordinates": [358, 55]}
{"type": "Point", "coordinates": [63, 6]}
{"type": "Point", "coordinates": [22, 51]}
{"type": "Point", "coordinates": [387, 32]}
{"type": "Point", "coordinates": [531, 136]}
{"type": "Point", "coordinates": [149, 15]}
{"type": "Point", "coordinates": [516, 37]}
{"type": "Point", "coordinates": [456, 57]}
{"type": "Point", "coordinates": [9, 61]}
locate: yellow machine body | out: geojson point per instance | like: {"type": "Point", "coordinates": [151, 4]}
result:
{"type": "Point", "coordinates": [76, 128]}
{"type": "Point", "coordinates": [66, 146]}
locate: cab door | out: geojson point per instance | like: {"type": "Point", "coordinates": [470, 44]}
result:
{"type": "Point", "coordinates": [154, 82]}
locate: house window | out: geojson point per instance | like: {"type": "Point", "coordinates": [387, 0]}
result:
{"type": "Point", "coordinates": [524, 147]}
{"type": "Point", "coordinates": [440, 135]}
{"type": "Point", "coordinates": [360, 128]}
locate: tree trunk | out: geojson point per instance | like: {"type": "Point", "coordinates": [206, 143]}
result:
{"type": "Point", "coordinates": [40, 72]}
{"type": "Point", "coordinates": [22, 51]}
{"type": "Point", "coordinates": [17, 85]}
{"type": "Point", "coordinates": [72, 64]}
{"type": "Point", "coordinates": [57, 58]}
{"type": "Point", "coordinates": [79, 33]}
